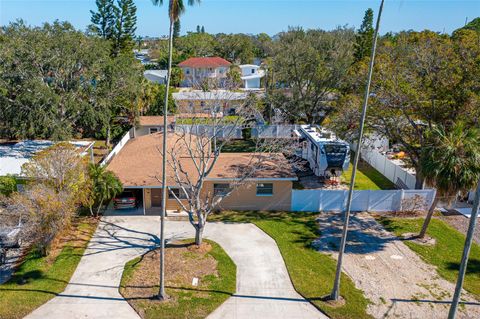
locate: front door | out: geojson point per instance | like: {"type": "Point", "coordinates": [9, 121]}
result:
{"type": "Point", "coordinates": [156, 194]}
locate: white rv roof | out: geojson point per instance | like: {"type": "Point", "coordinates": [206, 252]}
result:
{"type": "Point", "coordinates": [315, 133]}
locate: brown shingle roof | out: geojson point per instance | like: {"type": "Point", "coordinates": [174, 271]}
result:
{"type": "Point", "coordinates": [154, 120]}
{"type": "Point", "coordinates": [206, 62]}
{"type": "Point", "coordinates": [139, 163]}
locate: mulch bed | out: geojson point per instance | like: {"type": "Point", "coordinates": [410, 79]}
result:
{"type": "Point", "coordinates": [183, 262]}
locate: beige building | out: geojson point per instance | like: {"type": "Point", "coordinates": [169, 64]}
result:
{"type": "Point", "coordinates": [138, 166]}
{"type": "Point", "coordinates": [215, 101]}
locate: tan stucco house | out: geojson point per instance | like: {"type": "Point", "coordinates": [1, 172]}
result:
{"type": "Point", "coordinates": [223, 102]}
{"type": "Point", "coordinates": [138, 166]}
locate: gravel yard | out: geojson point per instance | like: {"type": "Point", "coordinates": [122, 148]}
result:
{"type": "Point", "coordinates": [460, 223]}
{"type": "Point", "coordinates": [391, 275]}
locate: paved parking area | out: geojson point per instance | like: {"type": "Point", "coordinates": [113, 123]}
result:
{"type": "Point", "coordinates": [264, 289]}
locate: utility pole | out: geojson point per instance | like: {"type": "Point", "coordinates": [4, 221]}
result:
{"type": "Point", "coordinates": [336, 285]}
{"type": "Point", "coordinates": [466, 252]}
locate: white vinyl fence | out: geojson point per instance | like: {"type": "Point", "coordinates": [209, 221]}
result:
{"type": "Point", "coordinates": [273, 131]}
{"type": "Point", "coordinates": [317, 200]}
{"type": "Point", "coordinates": [396, 174]}
{"type": "Point", "coordinates": [221, 131]}
{"type": "Point", "coordinates": [117, 148]}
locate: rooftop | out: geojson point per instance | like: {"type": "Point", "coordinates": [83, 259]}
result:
{"type": "Point", "coordinates": [154, 120]}
{"type": "Point", "coordinates": [139, 163]}
{"type": "Point", "coordinates": [205, 62]}
{"type": "Point", "coordinates": [14, 155]}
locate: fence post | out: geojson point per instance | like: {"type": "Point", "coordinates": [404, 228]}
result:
{"type": "Point", "coordinates": [402, 196]}
{"type": "Point", "coordinates": [368, 200]}
{"type": "Point", "coordinates": [320, 201]}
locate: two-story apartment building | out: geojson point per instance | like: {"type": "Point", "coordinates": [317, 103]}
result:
{"type": "Point", "coordinates": [221, 102]}
{"type": "Point", "coordinates": [196, 70]}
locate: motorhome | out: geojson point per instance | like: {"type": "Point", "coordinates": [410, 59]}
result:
{"type": "Point", "coordinates": [327, 155]}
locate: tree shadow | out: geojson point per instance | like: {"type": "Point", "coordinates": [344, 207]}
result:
{"type": "Point", "coordinates": [473, 266]}
{"type": "Point", "coordinates": [365, 235]}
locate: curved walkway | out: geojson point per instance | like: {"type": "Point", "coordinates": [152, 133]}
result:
{"type": "Point", "coordinates": [264, 289]}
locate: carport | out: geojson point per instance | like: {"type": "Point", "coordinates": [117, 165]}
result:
{"type": "Point", "coordinates": [140, 210]}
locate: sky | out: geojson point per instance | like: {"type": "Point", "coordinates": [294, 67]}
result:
{"type": "Point", "coordinates": [257, 16]}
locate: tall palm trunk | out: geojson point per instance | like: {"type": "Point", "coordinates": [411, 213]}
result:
{"type": "Point", "coordinates": [336, 285]}
{"type": "Point", "coordinates": [161, 293]}
{"type": "Point", "coordinates": [466, 252]}
{"type": "Point", "coordinates": [423, 232]}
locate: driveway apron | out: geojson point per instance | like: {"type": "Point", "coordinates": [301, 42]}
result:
{"type": "Point", "coordinates": [264, 289]}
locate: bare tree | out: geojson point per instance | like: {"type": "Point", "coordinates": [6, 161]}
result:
{"type": "Point", "coordinates": [196, 149]}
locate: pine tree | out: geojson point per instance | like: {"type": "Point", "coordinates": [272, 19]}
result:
{"type": "Point", "coordinates": [125, 26]}
{"type": "Point", "coordinates": [363, 45]}
{"type": "Point", "coordinates": [176, 29]}
{"type": "Point", "coordinates": [203, 29]}
{"type": "Point", "coordinates": [198, 29]}
{"type": "Point", "coordinates": [103, 20]}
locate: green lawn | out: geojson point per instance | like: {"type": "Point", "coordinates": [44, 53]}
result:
{"type": "Point", "coordinates": [240, 146]}
{"type": "Point", "coordinates": [312, 273]}
{"type": "Point", "coordinates": [44, 278]}
{"type": "Point", "coordinates": [188, 302]}
{"type": "Point", "coordinates": [367, 178]}
{"type": "Point", "coordinates": [447, 251]}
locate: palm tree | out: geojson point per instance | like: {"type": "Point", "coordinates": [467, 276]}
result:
{"type": "Point", "coordinates": [105, 185]}
{"type": "Point", "coordinates": [450, 162]}
{"type": "Point", "coordinates": [175, 9]}
{"type": "Point", "coordinates": [336, 284]}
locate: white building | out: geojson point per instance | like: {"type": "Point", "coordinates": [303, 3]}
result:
{"type": "Point", "coordinates": [196, 70]}
{"type": "Point", "coordinates": [14, 155]}
{"type": "Point", "coordinates": [251, 76]}
{"type": "Point", "coordinates": [156, 76]}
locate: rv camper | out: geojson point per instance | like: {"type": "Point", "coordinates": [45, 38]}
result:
{"type": "Point", "coordinates": [327, 155]}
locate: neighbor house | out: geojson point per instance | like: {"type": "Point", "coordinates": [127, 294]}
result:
{"type": "Point", "coordinates": [215, 101]}
{"type": "Point", "coordinates": [14, 154]}
{"type": "Point", "coordinates": [196, 70]}
{"type": "Point", "coordinates": [138, 166]}
{"type": "Point", "coordinates": [251, 76]}
{"type": "Point", "coordinates": [156, 76]}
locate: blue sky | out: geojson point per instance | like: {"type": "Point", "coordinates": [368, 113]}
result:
{"type": "Point", "coordinates": [255, 16]}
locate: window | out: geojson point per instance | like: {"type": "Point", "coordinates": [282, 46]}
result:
{"type": "Point", "coordinates": [187, 71]}
{"type": "Point", "coordinates": [253, 71]}
{"type": "Point", "coordinates": [153, 130]}
{"type": "Point", "coordinates": [264, 189]}
{"type": "Point", "coordinates": [202, 103]}
{"type": "Point", "coordinates": [221, 189]}
{"type": "Point", "coordinates": [179, 193]}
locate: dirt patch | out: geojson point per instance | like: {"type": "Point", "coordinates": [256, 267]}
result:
{"type": "Point", "coordinates": [77, 236]}
{"type": "Point", "coordinates": [183, 263]}
{"type": "Point", "coordinates": [395, 279]}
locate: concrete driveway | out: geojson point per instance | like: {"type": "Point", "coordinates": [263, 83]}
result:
{"type": "Point", "coordinates": [264, 289]}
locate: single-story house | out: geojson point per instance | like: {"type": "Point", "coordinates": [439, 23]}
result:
{"type": "Point", "coordinates": [152, 124]}
{"type": "Point", "coordinates": [156, 76]}
{"type": "Point", "coordinates": [138, 166]}
{"type": "Point", "coordinates": [14, 154]}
